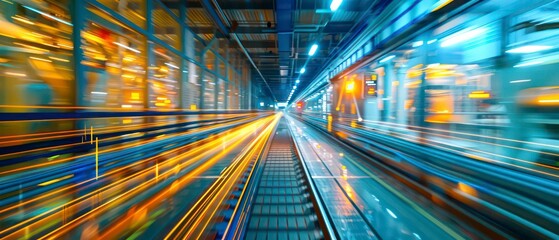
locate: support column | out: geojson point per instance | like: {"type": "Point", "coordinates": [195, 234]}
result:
{"type": "Point", "coordinates": [190, 50]}
{"type": "Point", "coordinates": [202, 82]}
{"type": "Point", "coordinates": [249, 91]}
{"type": "Point", "coordinates": [388, 78]}
{"type": "Point", "coordinates": [148, 92]}
{"type": "Point", "coordinates": [203, 62]}
{"type": "Point", "coordinates": [78, 12]}
{"type": "Point", "coordinates": [216, 76]}
{"type": "Point", "coordinates": [420, 114]}
{"type": "Point", "coordinates": [226, 93]}
{"type": "Point", "coordinates": [183, 67]}
{"type": "Point", "coordinates": [401, 114]}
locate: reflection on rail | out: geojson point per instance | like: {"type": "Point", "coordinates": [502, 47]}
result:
{"type": "Point", "coordinates": [499, 196]}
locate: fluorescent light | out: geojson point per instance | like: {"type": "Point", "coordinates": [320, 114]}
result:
{"type": "Point", "coordinates": [313, 49]}
{"type": "Point", "coordinates": [391, 213]}
{"type": "Point", "coordinates": [335, 5]}
{"type": "Point", "coordinates": [529, 49]}
{"type": "Point", "coordinates": [417, 44]}
{"type": "Point", "coordinates": [294, 87]}
{"type": "Point", "coordinates": [521, 81]}
{"type": "Point", "coordinates": [529, 63]}
{"type": "Point", "coordinates": [48, 15]}
{"type": "Point", "coordinates": [431, 41]}
{"type": "Point", "coordinates": [15, 74]}
{"type": "Point", "coordinates": [127, 47]}
{"type": "Point", "coordinates": [387, 58]}
{"type": "Point", "coordinates": [59, 59]}
{"type": "Point", "coordinates": [303, 70]}
{"type": "Point", "coordinates": [297, 81]}
{"type": "Point", "coordinates": [40, 59]}
{"type": "Point", "coordinates": [171, 65]}
{"type": "Point", "coordinates": [99, 93]}
{"type": "Point", "coordinates": [462, 36]}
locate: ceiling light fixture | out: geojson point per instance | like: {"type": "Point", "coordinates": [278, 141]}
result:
{"type": "Point", "coordinates": [335, 5]}
{"type": "Point", "coordinates": [387, 58]}
{"type": "Point", "coordinates": [313, 49]}
{"type": "Point", "coordinates": [417, 44]}
{"type": "Point", "coordinates": [303, 70]}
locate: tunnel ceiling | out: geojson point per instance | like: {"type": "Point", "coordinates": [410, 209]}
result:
{"type": "Point", "coordinates": [278, 34]}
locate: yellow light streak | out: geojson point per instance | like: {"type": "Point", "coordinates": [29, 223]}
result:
{"type": "Point", "coordinates": [55, 180]}
{"type": "Point", "coordinates": [204, 147]}
{"type": "Point", "coordinates": [96, 158]}
{"type": "Point", "coordinates": [59, 59]}
{"type": "Point", "coordinates": [139, 187]}
{"type": "Point", "coordinates": [479, 95]}
{"type": "Point", "coordinates": [15, 74]}
{"type": "Point", "coordinates": [39, 165]}
{"type": "Point", "coordinates": [217, 199]}
{"type": "Point", "coordinates": [57, 233]}
{"type": "Point", "coordinates": [40, 59]}
{"type": "Point", "coordinates": [24, 20]}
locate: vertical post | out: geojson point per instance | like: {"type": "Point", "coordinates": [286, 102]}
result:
{"type": "Point", "coordinates": [401, 115]}
{"type": "Point", "coordinates": [183, 68]}
{"type": "Point", "coordinates": [249, 90]}
{"type": "Point", "coordinates": [156, 170]}
{"type": "Point", "coordinates": [421, 94]}
{"type": "Point", "coordinates": [216, 76]}
{"type": "Point", "coordinates": [96, 158]}
{"type": "Point", "coordinates": [149, 53]}
{"type": "Point", "coordinates": [202, 82]}
{"type": "Point", "coordinates": [77, 11]}
{"type": "Point", "coordinates": [203, 62]}
{"type": "Point", "coordinates": [387, 91]}
{"type": "Point", "coordinates": [226, 93]}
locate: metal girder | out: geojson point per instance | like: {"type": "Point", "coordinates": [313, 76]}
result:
{"type": "Point", "coordinates": [333, 27]}
{"type": "Point", "coordinates": [259, 44]}
{"type": "Point", "coordinates": [354, 6]}
{"type": "Point", "coordinates": [248, 5]}
{"type": "Point", "coordinates": [211, 10]}
{"type": "Point", "coordinates": [284, 18]}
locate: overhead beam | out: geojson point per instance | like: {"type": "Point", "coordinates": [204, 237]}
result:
{"type": "Point", "coordinates": [269, 5]}
{"type": "Point", "coordinates": [248, 5]}
{"type": "Point", "coordinates": [333, 27]}
{"type": "Point", "coordinates": [259, 44]}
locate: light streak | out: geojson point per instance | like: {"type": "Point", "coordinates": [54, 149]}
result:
{"type": "Point", "coordinates": [48, 15]}
{"type": "Point", "coordinates": [123, 195]}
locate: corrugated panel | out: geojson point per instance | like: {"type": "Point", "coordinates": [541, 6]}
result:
{"type": "Point", "coordinates": [345, 16]}
{"type": "Point", "coordinates": [206, 36]}
{"type": "Point", "coordinates": [251, 17]}
{"type": "Point", "coordinates": [198, 17]}
{"type": "Point", "coordinates": [162, 18]}
{"type": "Point", "coordinates": [256, 37]}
